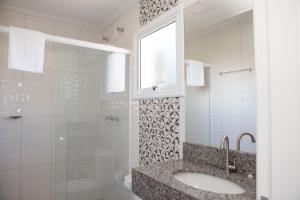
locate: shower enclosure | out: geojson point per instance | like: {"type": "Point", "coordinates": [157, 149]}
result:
{"type": "Point", "coordinates": [64, 133]}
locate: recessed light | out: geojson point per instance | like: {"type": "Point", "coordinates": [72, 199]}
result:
{"type": "Point", "coordinates": [197, 8]}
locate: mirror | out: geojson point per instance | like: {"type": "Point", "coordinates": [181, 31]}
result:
{"type": "Point", "coordinates": [220, 72]}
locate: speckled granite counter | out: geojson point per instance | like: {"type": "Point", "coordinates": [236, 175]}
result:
{"type": "Point", "coordinates": [208, 155]}
{"type": "Point", "coordinates": [157, 182]}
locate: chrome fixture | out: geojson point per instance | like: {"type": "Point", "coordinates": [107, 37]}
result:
{"type": "Point", "coordinates": [225, 145]}
{"type": "Point", "coordinates": [264, 198]}
{"type": "Point", "coordinates": [154, 87]}
{"type": "Point", "coordinates": [105, 39]}
{"type": "Point", "coordinates": [15, 117]}
{"type": "Point", "coordinates": [112, 118]}
{"type": "Point", "coordinates": [241, 135]}
{"type": "Point", "coordinates": [234, 71]}
{"type": "Point", "coordinates": [120, 29]}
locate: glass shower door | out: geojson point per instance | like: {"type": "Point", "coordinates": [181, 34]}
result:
{"type": "Point", "coordinates": [71, 142]}
{"type": "Point", "coordinates": [90, 125]}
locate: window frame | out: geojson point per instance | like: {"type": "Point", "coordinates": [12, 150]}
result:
{"type": "Point", "coordinates": [172, 90]}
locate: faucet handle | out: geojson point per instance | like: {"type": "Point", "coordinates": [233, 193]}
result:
{"type": "Point", "coordinates": [233, 166]}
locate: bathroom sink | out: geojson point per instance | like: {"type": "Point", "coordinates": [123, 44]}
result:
{"type": "Point", "coordinates": [209, 183]}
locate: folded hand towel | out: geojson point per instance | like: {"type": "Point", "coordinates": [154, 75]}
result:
{"type": "Point", "coordinates": [115, 72]}
{"type": "Point", "coordinates": [195, 73]}
{"type": "Point", "coordinates": [26, 50]}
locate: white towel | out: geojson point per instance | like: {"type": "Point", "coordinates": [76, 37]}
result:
{"type": "Point", "coordinates": [195, 73]}
{"type": "Point", "coordinates": [26, 50]}
{"type": "Point", "coordinates": [115, 72]}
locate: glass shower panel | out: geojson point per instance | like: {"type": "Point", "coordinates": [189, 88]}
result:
{"type": "Point", "coordinates": [91, 127]}
{"type": "Point", "coordinates": [72, 140]}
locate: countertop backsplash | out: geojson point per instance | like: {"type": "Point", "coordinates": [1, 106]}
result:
{"type": "Point", "coordinates": [208, 155]}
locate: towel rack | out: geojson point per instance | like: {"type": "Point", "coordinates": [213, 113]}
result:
{"type": "Point", "coordinates": [79, 43]}
{"type": "Point", "coordinates": [15, 117]}
{"type": "Point", "coordinates": [112, 118]}
{"type": "Point", "coordinates": [234, 71]}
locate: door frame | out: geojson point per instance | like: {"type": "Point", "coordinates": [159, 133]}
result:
{"type": "Point", "coordinates": [277, 58]}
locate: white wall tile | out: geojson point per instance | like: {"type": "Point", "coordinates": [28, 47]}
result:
{"type": "Point", "coordinates": [59, 182]}
{"type": "Point", "coordinates": [66, 57]}
{"type": "Point", "coordinates": [249, 95]}
{"type": "Point", "coordinates": [249, 125]}
{"type": "Point", "coordinates": [216, 130]}
{"type": "Point", "coordinates": [88, 138]}
{"type": "Point", "coordinates": [10, 143]}
{"type": "Point", "coordinates": [60, 140]}
{"type": "Point", "coordinates": [89, 94]}
{"type": "Point", "coordinates": [216, 97]}
{"type": "Point", "coordinates": [115, 107]}
{"type": "Point", "coordinates": [232, 127]}
{"type": "Point", "coordinates": [36, 183]}
{"type": "Point", "coordinates": [88, 185]}
{"type": "Point", "coordinates": [65, 140]}
{"type": "Point", "coordinates": [231, 94]}
{"type": "Point", "coordinates": [36, 142]}
{"type": "Point", "coordinates": [37, 90]}
{"type": "Point", "coordinates": [10, 92]}
{"type": "Point", "coordinates": [81, 181]}
{"type": "Point", "coordinates": [73, 127]}
{"type": "Point", "coordinates": [10, 184]}
{"type": "Point", "coordinates": [91, 61]}
{"type": "Point", "coordinates": [198, 128]}
{"type": "Point", "coordinates": [198, 100]}
{"type": "Point", "coordinates": [66, 93]}
{"type": "Point", "coordinates": [86, 169]}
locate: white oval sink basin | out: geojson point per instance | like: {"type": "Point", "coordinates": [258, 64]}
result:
{"type": "Point", "coordinates": [209, 183]}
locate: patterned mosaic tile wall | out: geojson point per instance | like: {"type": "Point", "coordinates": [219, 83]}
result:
{"type": "Point", "coordinates": [158, 130]}
{"type": "Point", "coordinates": [158, 118]}
{"type": "Point", "coordinates": [149, 9]}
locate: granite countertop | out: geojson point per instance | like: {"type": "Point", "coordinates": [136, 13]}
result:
{"type": "Point", "coordinates": [157, 182]}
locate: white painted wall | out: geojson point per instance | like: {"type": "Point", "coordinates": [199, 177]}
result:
{"type": "Point", "coordinates": [227, 104]}
{"type": "Point", "coordinates": [130, 22]}
{"type": "Point", "coordinates": [278, 98]}
{"type": "Point", "coordinates": [50, 25]}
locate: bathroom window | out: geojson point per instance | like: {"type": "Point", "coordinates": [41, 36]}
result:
{"type": "Point", "coordinates": [159, 59]}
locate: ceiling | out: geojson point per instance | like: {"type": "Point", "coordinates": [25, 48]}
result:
{"type": "Point", "coordinates": [201, 14]}
{"type": "Point", "coordinates": [98, 13]}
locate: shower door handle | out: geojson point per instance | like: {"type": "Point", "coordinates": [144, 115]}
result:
{"type": "Point", "coordinates": [15, 117]}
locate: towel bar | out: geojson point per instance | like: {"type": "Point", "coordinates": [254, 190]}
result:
{"type": "Point", "coordinates": [112, 118]}
{"type": "Point", "coordinates": [233, 71]}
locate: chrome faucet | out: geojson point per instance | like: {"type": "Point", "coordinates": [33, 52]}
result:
{"type": "Point", "coordinates": [241, 135]}
{"type": "Point", "coordinates": [225, 145]}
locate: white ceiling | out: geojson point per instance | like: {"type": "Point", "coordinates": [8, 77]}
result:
{"type": "Point", "coordinates": [98, 13]}
{"type": "Point", "coordinates": [201, 14]}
